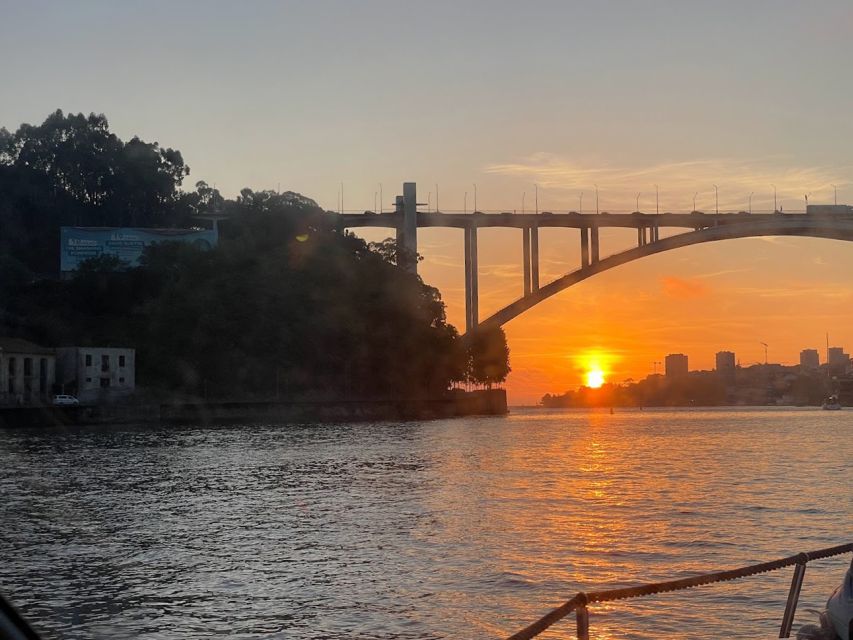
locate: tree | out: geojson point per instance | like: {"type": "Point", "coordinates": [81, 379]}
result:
{"type": "Point", "coordinates": [72, 170]}
{"type": "Point", "coordinates": [488, 355]}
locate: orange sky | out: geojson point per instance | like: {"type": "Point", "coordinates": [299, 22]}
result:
{"type": "Point", "coordinates": [729, 295]}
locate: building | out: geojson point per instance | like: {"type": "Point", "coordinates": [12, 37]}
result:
{"type": "Point", "coordinates": [96, 374]}
{"type": "Point", "coordinates": [725, 365]}
{"type": "Point", "coordinates": [809, 360]}
{"type": "Point", "coordinates": [27, 373]}
{"type": "Point", "coordinates": [837, 360]}
{"type": "Point", "coordinates": [675, 365]}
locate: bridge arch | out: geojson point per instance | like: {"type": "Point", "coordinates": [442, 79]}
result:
{"type": "Point", "coordinates": [827, 228]}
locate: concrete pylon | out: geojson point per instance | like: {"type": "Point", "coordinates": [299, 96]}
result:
{"type": "Point", "coordinates": [407, 228]}
{"type": "Point", "coordinates": [472, 312]}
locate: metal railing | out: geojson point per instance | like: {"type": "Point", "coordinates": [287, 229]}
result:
{"type": "Point", "coordinates": [579, 603]}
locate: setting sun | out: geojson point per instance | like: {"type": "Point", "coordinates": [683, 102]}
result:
{"type": "Point", "coordinates": [594, 378]}
{"type": "Point", "coordinates": [594, 366]}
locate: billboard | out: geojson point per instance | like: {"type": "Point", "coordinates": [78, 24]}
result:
{"type": "Point", "coordinates": [81, 243]}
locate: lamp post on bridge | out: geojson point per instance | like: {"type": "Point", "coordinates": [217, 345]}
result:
{"type": "Point", "coordinates": [716, 200]}
{"type": "Point", "coordinates": [775, 206]}
{"type": "Point", "coordinates": [580, 203]}
{"type": "Point", "coordinates": [475, 197]}
{"type": "Point", "coordinates": [657, 200]}
{"type": "Point", "coordinates": [694, 200]}
{"type": "Point", "coordinates": [639, 193]}
{"type": "Point", "coordinates": [596, 199]}
{"type": "Point", "coordinates": [806, 196]}
{"type": "Point", "coordinates": [523, 195]}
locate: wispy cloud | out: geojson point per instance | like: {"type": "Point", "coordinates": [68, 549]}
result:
{"type": "Point", "coordinates": [683, 288]}
{"type": "Point", "coordinates": [679, 181]}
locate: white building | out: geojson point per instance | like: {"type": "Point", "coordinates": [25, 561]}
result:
{"type": "Point", "coordinates": [96, 374]}
{"type": "Point", "coordinates": [27, 372]}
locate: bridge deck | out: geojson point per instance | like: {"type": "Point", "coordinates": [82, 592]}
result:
{"type": "Point", "coordinates": [695, 220]}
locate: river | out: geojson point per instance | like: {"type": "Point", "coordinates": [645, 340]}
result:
{"type": "Point", "coordinates": [466, 528]}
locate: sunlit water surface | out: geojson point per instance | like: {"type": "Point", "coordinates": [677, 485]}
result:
{"type": "Point", "coordinates": [465, 528]}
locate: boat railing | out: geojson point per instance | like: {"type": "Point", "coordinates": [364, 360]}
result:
{"type": "Point", "coordinates": [579, 604]}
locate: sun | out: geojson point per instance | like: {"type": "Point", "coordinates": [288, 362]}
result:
{"type": "Point", "coordinates": [594, 378]}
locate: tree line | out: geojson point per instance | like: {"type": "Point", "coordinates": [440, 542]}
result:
{"type": "Point", "coordinates": [286, 305]}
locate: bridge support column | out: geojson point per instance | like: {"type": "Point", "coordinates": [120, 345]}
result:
{"type": "Point", "coordinates": [534, 256]}
{"type": "Point", "coordinates": [407, 228]}
{"type": "Point", "coordinates": [641, 239]}
{"type": "Point", "coordinates": [525, 257]}
{"type": "Point", "coordinates": [584, 247]}
{"type": "Point", "coordinates": [471, 280]}
{"type": "Point", "coordinates": [655, 233]}
{"type": "Point", "coordinates": [594, 232]}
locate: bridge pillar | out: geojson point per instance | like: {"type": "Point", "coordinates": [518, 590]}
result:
{"type": "Point", "coordinates": [471, 280]}
{"type": "Point", "coordinates": [584, 247]}
{"type": "Point", "coordinates": [525, 257]}
{"type": "Point", "coordinates": [640, 237]}
{"type": "Point", "coordinates": [407, 228]}
{"type": "Point", "coordinates": [594, 232]}
{"type": "Point", "coordinates": [534, 257]}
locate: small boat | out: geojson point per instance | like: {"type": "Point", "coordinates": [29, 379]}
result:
{"type": "Point", "coordinates": [831, 404]}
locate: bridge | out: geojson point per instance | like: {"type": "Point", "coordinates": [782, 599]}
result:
{"type": "Point", "coordinates": [820, 221]}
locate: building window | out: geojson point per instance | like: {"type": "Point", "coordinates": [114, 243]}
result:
{"type": "Point", "coordinates": [28, 366]}
{"type": "Point", "coordinates": [105, 383]}
{"type": "Point", "coordinates": [121, 361]}
{"type": "Point", "coordinates": [105, 363]}
{"type": "Point", "coordinates": [88, 359]}
{"type": "Point", "coordinates": [88, 379]}
{"type": "Point", "coordinates": [11, 367]}
{"type": "Point", "coordinates": [121, 380]}
{"type": "Point", "coordinates": [43, 375]}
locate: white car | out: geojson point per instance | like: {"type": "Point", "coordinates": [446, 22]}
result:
{"type": "Point", "coordinates": [65, 400]}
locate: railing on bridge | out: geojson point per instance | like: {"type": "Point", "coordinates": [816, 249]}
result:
{"type": "Point", "coordinates": [579, 603]}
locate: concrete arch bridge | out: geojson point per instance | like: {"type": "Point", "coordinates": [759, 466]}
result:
{"type": "Point", "coordinates": [820, 221]}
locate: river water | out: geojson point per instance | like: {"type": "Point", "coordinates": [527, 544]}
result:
{"type": "Point", "coordinates": [467, 528]}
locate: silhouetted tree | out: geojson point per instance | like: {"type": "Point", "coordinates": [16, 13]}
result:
{"type": "Point", "coordinates": [488, 355]}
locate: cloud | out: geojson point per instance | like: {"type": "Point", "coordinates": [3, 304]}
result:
{"type": "Point", "coordinates": [684, 289]}
{"type": "Point", "coordinates": [679, 181]}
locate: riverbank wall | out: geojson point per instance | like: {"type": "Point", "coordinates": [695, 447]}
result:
{"type": "Point", "coordinates": [457, 404]}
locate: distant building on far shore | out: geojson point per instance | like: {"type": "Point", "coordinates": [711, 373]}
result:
{"type": "Point", "coordinates": [726, 366]}
{"type": "Point", "coordinates": [676, 365]}
{"type": "Point", "coordinates": [837, 360]}
{"type": "Point", "coordinates": [809, 359]}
